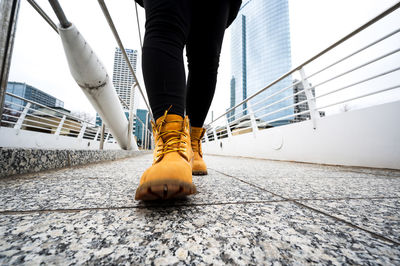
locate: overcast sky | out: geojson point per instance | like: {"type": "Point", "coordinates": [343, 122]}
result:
{"type": "Point", "coordinates": [38, 57]}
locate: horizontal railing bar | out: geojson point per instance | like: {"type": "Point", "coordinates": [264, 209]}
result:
{"type": "Point", "coordinates": [8, 122]}
{"type": "Point", "coordinates": [359, 97]}
{"type": "Point", "coordinates": [72, 124]}
{"type": "Point", "coordinates": [240, 118]}
{"type": "Point", "coordinates": [13, 110]}
{"type": "Point", "coordinates": [284, 117]}
{"type": "Point", "coordinates": [354, 53]}
{"type": "Point", "coordinates": [283, 108]}
{"type": "Point", "coordinates": [277, 92]}
{"type": "Point", "coordinates": [281, 100]}
{"type": "Point", "coordinates": [44, 118]}
{"type": "Point", "coordinates": [335, 44]}
{"type": "Point", "coordinates": [23, 124]}
{"type": "Point", "coordinates": [17, 117]}
{"type": "Point", "coordinates": [44, 106]}
{"type": "Point", "coordinates": [15, 104]}
{"type": "Point", "coordinates": [43, 123]}
{"type": "Point", "coordinates": [357, 67]}
{"type": "Point", "coordinates": [359, 82]}
{"type": "Point", "coordinates": [241, 124]}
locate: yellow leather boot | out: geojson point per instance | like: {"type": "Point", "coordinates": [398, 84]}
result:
{"type": "Point", "coordinates": [199, 166]}
{"type": "Point", "coordinates": [170, 176]}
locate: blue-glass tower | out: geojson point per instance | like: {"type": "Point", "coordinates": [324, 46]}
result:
{"type": "Point", "coordinates": [260, 53]}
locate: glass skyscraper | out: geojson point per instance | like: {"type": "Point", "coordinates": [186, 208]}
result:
{"type": "Point", "coordinates": [260, 53]}
{"type": "Point", "coordinates": [30, 93]}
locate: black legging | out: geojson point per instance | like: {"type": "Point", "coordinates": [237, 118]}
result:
{"type": "Point", "coordinates": [170, 25]}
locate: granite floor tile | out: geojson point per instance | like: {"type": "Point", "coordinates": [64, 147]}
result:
{"type": "Point", "coordinates": [310, 181]}
{"type": "Point", "coordinates": [112, 184]}
{"type": "Point", "coordinates": [235, 234]}
{"type": "Point", "coordinates": [380, 216]}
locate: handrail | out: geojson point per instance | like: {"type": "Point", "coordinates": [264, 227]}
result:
{"type": "Point", "coordinates": [43, 14]}
{"type": "Point", "coordinates": [110, 22]}
{"type": "Point", "coordinates": [44, 106]}
{"type": "Point", "coordinates": [332, 46]}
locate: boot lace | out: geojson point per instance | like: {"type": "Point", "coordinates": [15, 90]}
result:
{"type": "Point", "coordinates": [174, 141]}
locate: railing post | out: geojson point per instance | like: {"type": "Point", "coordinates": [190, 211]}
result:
{"type": "Point", "coordinates": [60, 125]}
{"type": "Point", "coordinates": [206, 137]}
{"type": "Point", "coordinates": [97, 134]}
{"type": "Point", "coordinates": [215, 134]}
{"type": "Point", "coordinates": [310, 98]}
{"type": "Point", "coordinates": [253, 121]}
{"type": "Point", "coordinates": [228, 128]}
{"type": "Point", "coordinates": [21, 118]}
{"type": "Point", "coordinates": [83, 129]}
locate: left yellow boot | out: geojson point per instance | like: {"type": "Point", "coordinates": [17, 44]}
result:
{"type": "Point", "coordinates": [199, 166]}
{"type": "Point", "coordinates": [170, 176]}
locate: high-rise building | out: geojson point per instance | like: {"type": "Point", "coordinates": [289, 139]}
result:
{"type": "Point", "coordinates": [30, 93]}
{"type": "Point", "coordinates": [260, 53]}
{"type": "Point", "coordinates": [123, 78]}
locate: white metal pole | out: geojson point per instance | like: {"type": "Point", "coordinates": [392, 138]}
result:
{"type": "Point", "coordinates": [310, 98]}
{"type": "Point", "coordinates": [91, 76]}
{"type": "Point", "coordinates": [60, 125]}
{"type": "Point", "coordinates": [97, 134]}
{"type": "Point", "coordinates": [21, 118]}
{"type": "Point", "coordinates": [82, 132]}
{"type": "Point", "coordinates": [252, 119]}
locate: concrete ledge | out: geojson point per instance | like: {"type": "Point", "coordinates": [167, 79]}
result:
{"type": "Point", "coordinates": [22, 161]}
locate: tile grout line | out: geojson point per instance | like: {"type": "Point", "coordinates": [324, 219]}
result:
{"type": "Point", "coordinates": [38, 211]}
{"type": "Point", "coordinates": [315, 210]}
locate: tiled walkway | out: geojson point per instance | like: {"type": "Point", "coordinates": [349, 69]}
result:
{"type": "Point", "coordinates": [247, 211]}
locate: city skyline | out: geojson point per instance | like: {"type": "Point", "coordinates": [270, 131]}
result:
{"type": "Point", "coordinates": [314, 26]}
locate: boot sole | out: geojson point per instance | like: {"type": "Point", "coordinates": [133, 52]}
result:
{"type": "Point", "coordinates": [164, 189]}
{"type": "Point", "coordinates": [199, 173]}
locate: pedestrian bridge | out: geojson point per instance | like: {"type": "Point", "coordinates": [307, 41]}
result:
{"type": "Point", "coordinates": [319, 184]}
{"type": "Point", "coordinates": [246, 211]}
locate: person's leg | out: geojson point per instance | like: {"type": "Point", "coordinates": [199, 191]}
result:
{"type": "Point", "coordinates": [167, 29]}
{"type": "Point", "coordinates": [203, 49]}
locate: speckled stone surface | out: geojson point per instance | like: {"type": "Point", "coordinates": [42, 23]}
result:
{"type": "Point", "coordinates": [381, 216]}
{"type": "Point", "coordinates": [21, 161]}
{"type": "Point", "coordinates": [310, 181]}
{"type": "Point", "coordinates": [109, 185]}
{"type": "Point", "coordinates": [87, 215]}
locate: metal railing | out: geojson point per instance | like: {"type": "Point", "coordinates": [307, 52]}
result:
{"type": "Point", "coordinates": [292, 98]}
{"type": "Point", "coordinates": [22, 114]}
{"type": "Point", "coordinates": [99, 103]}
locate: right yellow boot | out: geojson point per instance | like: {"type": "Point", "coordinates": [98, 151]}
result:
{"type": "Point", "coordinates": [170, 176]}
{"type": "Point", "coordinates": [199, 166]}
